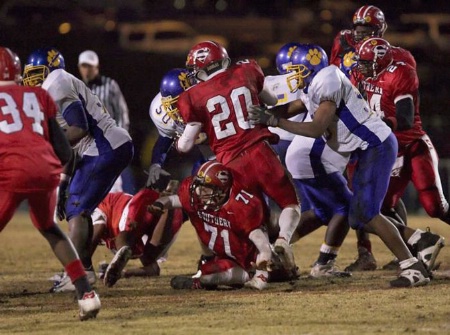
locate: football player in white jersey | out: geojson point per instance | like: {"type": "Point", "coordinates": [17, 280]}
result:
{"type": "Point", "coordinates": [317, 173]}
{"type": "Point", "coordinates": [164, 115]}
{"type": "Point", "coordinates": [103, 148]}
{"type": "Point", "coordinates": [341, 115]}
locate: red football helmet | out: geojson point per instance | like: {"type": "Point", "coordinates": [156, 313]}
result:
{"type": "Point", "coordinates": [205, 58]}
{"type": "Point", "coordinates": [374, 55]}
{"type": "Point", "coordinates": [211, 186]}
{"type": "Point", "coordinates": [10, 66]}
{"type": "Point", "coordinates": [372, 20]}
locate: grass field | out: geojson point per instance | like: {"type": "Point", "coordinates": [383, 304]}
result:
{"type": "Point", "coordinates": [363, 304]}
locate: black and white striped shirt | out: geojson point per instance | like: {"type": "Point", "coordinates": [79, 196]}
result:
{"type": "Point", "coordinates": [112, 98]}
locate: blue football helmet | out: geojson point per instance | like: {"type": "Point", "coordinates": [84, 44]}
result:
{"type": "Point", "coordinates": [348, 63]}
{"type": "Point", "coordinates": [283, 58]}
{"type": "Point", "coordinates": [307, 60]}
{"type": "Point", "coordinates": [39, 65]}
{"type": "Point", "coordinates": [172, 85]}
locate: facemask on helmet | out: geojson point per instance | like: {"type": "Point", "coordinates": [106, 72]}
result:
{"type": "Point", "coordinates": [307, 60]}
{"type": "Point", "coordinates": [39, 65]}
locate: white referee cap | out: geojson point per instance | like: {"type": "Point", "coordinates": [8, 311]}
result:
{"type": "Point", "coordinates": [88, 57]}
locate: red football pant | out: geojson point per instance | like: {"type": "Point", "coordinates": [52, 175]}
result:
{"type": "Point", "coordinates": [260, 169]}
{"type": "Point", "coordinates": [420, 166]}
{"type": "Point", "coordinates": [42, 206]}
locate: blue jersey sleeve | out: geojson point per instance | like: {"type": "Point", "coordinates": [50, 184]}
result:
{"type": "Point", "coordinates": [160, 149]}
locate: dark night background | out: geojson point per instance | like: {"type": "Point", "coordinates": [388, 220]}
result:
{"type": "Point", "coordinates": [252, 28]}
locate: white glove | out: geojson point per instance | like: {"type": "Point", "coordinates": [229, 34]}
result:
{"type": "Point", "coordinates": [154, 173]}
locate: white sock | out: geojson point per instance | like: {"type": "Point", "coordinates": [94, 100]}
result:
{"type": "Point", "coordinates": [415, 237]}
{"type": "Point", "coordinates": [288, 221]}
{"type": "Point", "coordinates": [408, 262]}
{"type": "Point", "coordinates": [326, 249]}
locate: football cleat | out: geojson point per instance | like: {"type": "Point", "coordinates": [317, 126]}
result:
{"type": "Point", "coordinates": [364, 262]}
{"type": "Point", "coordinates": [392, 265]}
{"type": "Point", "coordinates": [285, 254]}
{"type": "Point", "coordinates": [115, 268]}
{"type": "Point", "coordinates": [65, 284]}
{"type": "Point", "coordinates": [89, 306]}
{"type": "Point", "coordinates": [185, 283]}
{"type": "Point", "coordinates": [427, 248]}
{"type": "Point", "coordinates": [415, 275]}
{"type": "Point", "coordinates": [259, 281]}
{"type": "Point", "coordinates": [328, 270]}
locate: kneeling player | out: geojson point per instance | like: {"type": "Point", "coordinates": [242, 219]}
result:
{"type": "Point", "coordinates": [122, 222]}
{"type": "Point", "coordinates": [229, 224]}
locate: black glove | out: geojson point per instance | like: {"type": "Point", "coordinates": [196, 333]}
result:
{"type": "Point", "coordinates": [260, 115]}
{"type": "Point", "coordinates": [62, 199]}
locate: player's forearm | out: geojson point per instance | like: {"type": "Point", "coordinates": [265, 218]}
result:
{"type": "Point", "coordinates": [300, 128]}
{"type": "Point", "coordinates": [261, 241]}
{"type": "Point", "coordinates": [160, 149]}
{"type": "Point", "coordinates": [74, 134]}
{"type": "Point", "coordinates": [187, 140]}
{"type": "Point", "coordinates": [268, 97]}
{"type": "Point", "coordinates": [169, 202]}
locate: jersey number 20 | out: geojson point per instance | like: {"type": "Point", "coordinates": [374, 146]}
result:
{"type": "Point", "coordinates": [229, 127]}
{"type": "Point", "coordinates": [30, 107]}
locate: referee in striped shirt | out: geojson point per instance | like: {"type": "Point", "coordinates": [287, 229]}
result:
{"type": "Point", "coordinates": [104, 87]}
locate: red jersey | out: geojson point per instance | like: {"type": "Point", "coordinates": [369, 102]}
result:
{"type": "Point", "coordinates": [226, 231]}
{"type": "Point", "coordinates": [27, 159]}
{"type": "Point", "coordinates": [398, 81]}
{"type": "Point", "coordinates": [123, 212]}
{"type": "Point", "coordinates": [221, 105]}
{"type": "Point", "coordinates": [344, 43]}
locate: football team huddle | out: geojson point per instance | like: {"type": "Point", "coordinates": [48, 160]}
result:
{"type": "Point", "coordinates": [326, 142]}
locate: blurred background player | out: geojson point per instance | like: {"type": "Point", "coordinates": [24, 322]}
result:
{"type": "Point", "coordinates": [122, 222]}
{"type": "Point", "coordinates": [229, 223]}
{"type": "Point", "coordinates": [103, 148]}
{"type": "Point", "coordinates": [392, 90]}
{"type": "Point", "coordinates": [218, 104]}
{"type": "Point", "coordinates": [316, 170]}
{"type": "Point", "coordinates": [32, 149]}
{"type": "Point", "coordinates": [339, 111]}
{"type": "Point", "coordinates": [109, 93]}
{"type": "Point", "coordinates": [368, 21]}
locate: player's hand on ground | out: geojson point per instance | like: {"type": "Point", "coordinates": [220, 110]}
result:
{"type": "Point", "coordinates": [263, 262]}
{"type": "Point", "coordinates": [154, 174]}
{"type": "Point", "coordinates": [261, 115]}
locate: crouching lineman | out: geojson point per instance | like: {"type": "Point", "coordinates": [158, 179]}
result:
{"type": "Point", "coordinates": [122, 222]}
{"type": "Point", "coordinates": [105, 149]}
{"type": "Point", "coordinates": [32, 148]}
{"type": "Point", "coordinates": [229, 224]}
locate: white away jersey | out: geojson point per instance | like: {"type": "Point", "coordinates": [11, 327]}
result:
{"type": "Point", "coordinates": [278, 85]}
{"type": "Point", "coordinates": [308, 157]}
{"type": "Point", "coordinates": [166, 126]}
{"type": "Point", "coordinates": [354, 126]}
{"type": "Point", "coordinates": [103, 133]}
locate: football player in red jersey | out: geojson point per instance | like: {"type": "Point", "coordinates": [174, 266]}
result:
{"type": "Point", "coordinates": [219, 104]}
{"type": "Point", "coordinates": [229, 222]}
{"type": "Point", "coordinates": [392, 89]}
{"type": "Point", "coordinates": [32, 150]}
{"type": "Point", "coordinates": [368, 21]}
{"type": "Point", "coordinates": [122, 220]}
